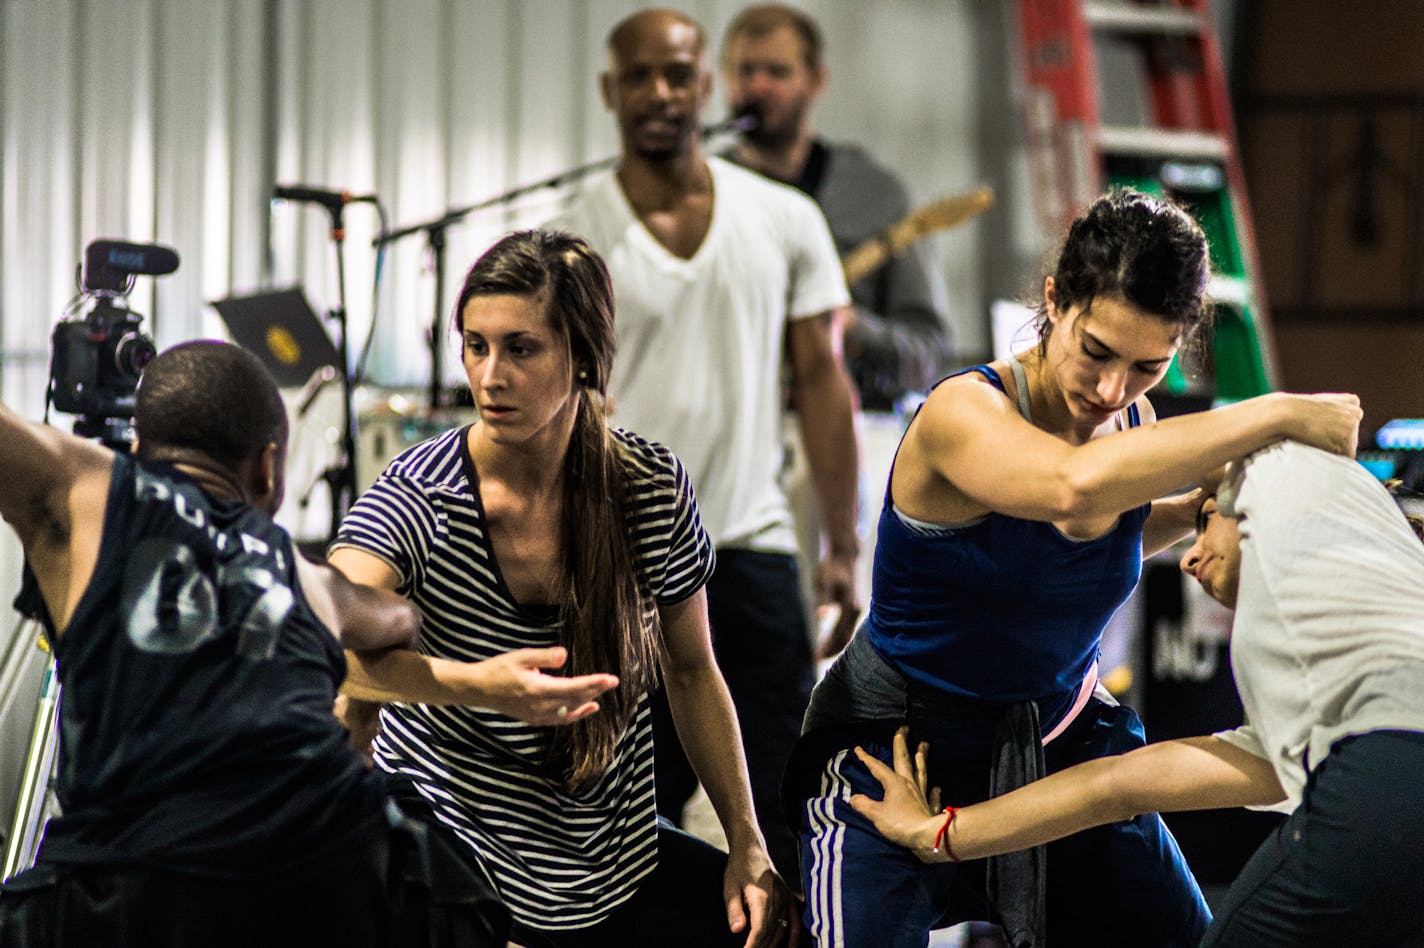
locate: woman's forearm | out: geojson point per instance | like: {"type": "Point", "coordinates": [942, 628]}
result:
{"type": "Point", "coordinates": [1202, 773]}
{"type": "Point", "coordinates": [707, 726]}
{"type": "Point", "coordinates": [406, 675]}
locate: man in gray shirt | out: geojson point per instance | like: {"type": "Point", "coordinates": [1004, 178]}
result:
{"type": "Point", "coordinates": [898, 340]}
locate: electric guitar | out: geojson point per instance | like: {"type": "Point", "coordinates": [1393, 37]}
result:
{"type": "Point", "coordinates": [921, 222]}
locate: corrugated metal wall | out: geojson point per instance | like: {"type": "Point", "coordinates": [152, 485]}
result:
{"type": "Point", "coordinates": [169, 121]}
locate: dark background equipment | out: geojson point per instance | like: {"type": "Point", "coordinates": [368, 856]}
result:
{"type": "Point", "coordinates": [96, 357]}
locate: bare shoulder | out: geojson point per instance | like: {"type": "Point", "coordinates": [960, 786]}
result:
{"type": "Point", "coordinates": [54, 482]}
{"type": "Point", "coordinates": [963, 399]}
{"type": "Point", "coordinates": [940, 442]}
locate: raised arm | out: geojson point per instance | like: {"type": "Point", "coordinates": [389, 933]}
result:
{"type": "Point", "coordinates": [1037, 476]}
{"type": "Point", "coordinates": [1195, 773]}
{"type": "Point", "coordinates": [707, 726]}
{"type": "Point", "coordinates": [52, 494]}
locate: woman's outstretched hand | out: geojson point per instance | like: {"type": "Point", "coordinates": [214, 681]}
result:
{"type": "Point", "coordinates": [516, 684]}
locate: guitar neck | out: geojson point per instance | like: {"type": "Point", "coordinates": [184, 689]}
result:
{"type": "Point", "coordinates": [918, 224]}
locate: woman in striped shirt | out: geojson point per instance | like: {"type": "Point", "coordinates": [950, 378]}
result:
{"type": "Point", "coordinates": [540, 527]}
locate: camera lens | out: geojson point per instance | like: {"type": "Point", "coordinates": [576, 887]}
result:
{"type": "Point", "coordinates": [131, 353]}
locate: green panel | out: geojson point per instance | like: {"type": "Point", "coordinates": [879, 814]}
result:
{"type": "Point", "coordinates": [1236, 349]}
{"type": "Point", "coordinates": [1213, 211]}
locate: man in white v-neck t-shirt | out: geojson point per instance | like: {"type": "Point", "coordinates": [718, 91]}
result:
{"type": "Point", "coordinates": [717, 273]}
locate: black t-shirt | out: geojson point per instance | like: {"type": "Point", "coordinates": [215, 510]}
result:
{"type": "Point", "coordinates": [196, 727]}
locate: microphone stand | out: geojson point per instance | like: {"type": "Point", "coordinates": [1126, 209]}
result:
{"type": "Point", "coordinates": [435, 239]}
{"type": "Point", "coordinates": [435, 234]}
{"type": "Point", "coordinates": [340, 478]}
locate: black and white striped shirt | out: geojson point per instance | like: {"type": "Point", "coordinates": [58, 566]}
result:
{"type": "Point", "coordinates": [558, 861]}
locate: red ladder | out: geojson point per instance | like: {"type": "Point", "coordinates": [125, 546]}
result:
{"type": "Point", "coordinates": [1186, 146]}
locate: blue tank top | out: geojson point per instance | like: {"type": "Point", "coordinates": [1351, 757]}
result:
{"type": "Point", "coordinates": [999, 609]}
{"type": "Point", "coordinates": [196, 726]}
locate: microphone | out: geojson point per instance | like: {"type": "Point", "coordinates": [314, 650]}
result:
{"type": "Point", "coordinates": [110, 264]}
{"type": "Point", "coordinates": [125, 257]}
{"type": "Point", "coordinates": [743, 120]}
{"type": "Point", "coordinates": [331, 200]}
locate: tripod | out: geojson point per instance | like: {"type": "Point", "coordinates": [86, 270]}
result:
{"type": "Point", "coordinates": [33, 805]}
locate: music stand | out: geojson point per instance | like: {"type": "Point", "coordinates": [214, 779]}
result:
{"type": "Point", "coordinates": [282, 330]}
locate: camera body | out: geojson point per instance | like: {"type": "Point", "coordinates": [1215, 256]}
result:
{"type": "Point", "coordinates": [97, 361]}
{"type": "Point", "coordinates": [96, 358]}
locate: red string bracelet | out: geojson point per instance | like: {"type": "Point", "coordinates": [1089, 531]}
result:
{"type": "Point", "coordinates": [942, 837]}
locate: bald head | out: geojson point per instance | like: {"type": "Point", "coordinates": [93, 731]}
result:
{"type": "Point", "coordinates": [633, 33]}
{"type": "Point", "coordinates": [657, 83]}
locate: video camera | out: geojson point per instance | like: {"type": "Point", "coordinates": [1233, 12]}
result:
{"type": "Point", "coordinates": [96, 358]}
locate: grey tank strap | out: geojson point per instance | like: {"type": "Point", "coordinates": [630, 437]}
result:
{"type": "Point", "coordinates": [1021, 383]}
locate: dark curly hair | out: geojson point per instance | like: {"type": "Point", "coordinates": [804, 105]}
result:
{"type": "Point", "coordinates": [211, 397]}
{"type": "Point", "coordinates": [1145, 250]}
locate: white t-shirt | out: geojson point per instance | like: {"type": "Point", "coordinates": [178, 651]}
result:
{"type": "Point", "coordinates": [1328, 638]}
{"type": "Point", "coordinates": [700, 341]}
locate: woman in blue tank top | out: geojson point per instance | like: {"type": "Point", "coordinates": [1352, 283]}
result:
{"type": "Point", "coordinates": [1020, 504]}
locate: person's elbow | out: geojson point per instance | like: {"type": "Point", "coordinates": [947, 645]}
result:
{"type": "Point", "coordinates": [393, 622]}
{"type": "Point", "coordinates": [687, 673]}
{"type": "Point", "coordinates": [1079, 489]}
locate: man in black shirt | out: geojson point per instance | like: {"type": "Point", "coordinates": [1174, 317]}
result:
{"type": "Point", "coordinates": [208, 794]}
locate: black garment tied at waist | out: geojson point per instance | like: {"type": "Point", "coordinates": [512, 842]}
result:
{"type": "Point", "coordinates": [1016, 882]}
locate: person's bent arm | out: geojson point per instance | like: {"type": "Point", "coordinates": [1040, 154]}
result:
{"type": "Point", "coordinates": [514, 683]}
{"type": "Point", "coordinates": [1196, 773]}
{"type": "Point", "coordinates": [1037, 476]}
{"type": "Point", "coordinates": [361, 616]}
{"type": "Point", "coordinates": [825, 404]}
{"type": "Point", "coordinates": [707, 726]}
{"type": "Point", "coordinates": [1172, 518]}
{"type": "Point", "coordinates": [902, 342]}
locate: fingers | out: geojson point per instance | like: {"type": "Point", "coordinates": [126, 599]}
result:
{"type": "Point", "coordinates": [900, 748]}
{"type": "Point", "coordinates": [580, 689]}
{"type": "Point", "coordinates": [865, 806]}
{"type": "Point", "coordinates": [567, 688]}
{"type": "Point", "coordinates": [835, 625]}
{"type": "Point", "coordinates": [922, 753]}
{"type": "Point", "coordinates": [936, 800]}
{"type": "Point", "coordinates": [760, 924]}
{"type": "Point", "coordinates": [736, 916]}
{"type": "Point", "coordinates": [845, 623]}
{"type": "Point", "coordinates": [582, 711]}
{"type": "Point", "coordinates": [877, 768]}
{"type": "Point", "coordinates": [553, 657]}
